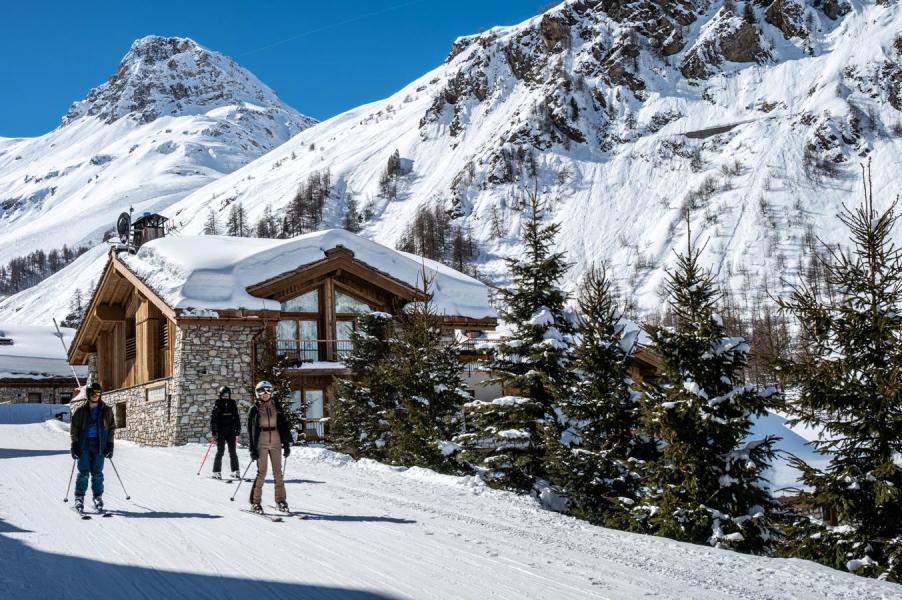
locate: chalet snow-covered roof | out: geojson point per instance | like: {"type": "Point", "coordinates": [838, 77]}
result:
{"type": "Point", "coordinates": [198, 274]}
{"type": "Point", "coordinates": [35, 353]}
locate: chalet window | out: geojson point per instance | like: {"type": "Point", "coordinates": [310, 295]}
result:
{"type": "Point", "coordinates": [349, 304]}
{"type": "Point", "coordinates": [343, 330]}
{"type": "Point", "coordinates": [298, 339]}
{"type": "Point", "coordinates": [65, 397]}
{"type": "Point", "coordinates": [305, 303]}
{"type": "Point", "coordinates": [164, 333]}
{"type": "Point", "coordinates": [120, 415]}
{"type": "Point", "coordinates": [34, 397]}
{"type": "Point", "coordinates": [314, 400]}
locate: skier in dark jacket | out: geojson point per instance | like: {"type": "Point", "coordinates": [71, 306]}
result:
{"type": "Point", "coordinates": [268, 429]}
{"type": "Point", "coordinates": [225, 425]}
{"type": "Point", "coordinates": [92, 432]}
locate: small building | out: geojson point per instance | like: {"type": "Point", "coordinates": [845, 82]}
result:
{"type": "Point", "coordinates": [34, 367]}
{"type": "Point", "coordinates": [168, 325]}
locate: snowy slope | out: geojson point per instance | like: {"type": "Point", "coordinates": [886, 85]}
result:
{"type": "Point", "coordinates": [611, 121]}
{"type": "Point", "coordinates": [174, 117]}
{"type": "Point", "coordinates": [375, 533]}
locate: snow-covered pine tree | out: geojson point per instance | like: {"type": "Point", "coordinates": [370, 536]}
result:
{"type": "Point", "coordinates": [593, 463]}
{"type": "Point", "coordinates": [505, 438]}
{"type": "Point", "coordinates": [430, 390]}
{"type": "Point", "coordinates": [707, 484]}
{"type": "Point", "coordinates": [849, 379]}
{"type": "Point", "coordinates": [358, 423]}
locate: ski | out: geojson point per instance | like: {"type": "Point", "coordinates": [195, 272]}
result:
{"type": "Point", "coordinates": [103, 513]}
{"type": "Point", "coordinates": [221, 479]}
{"type": "Point", "coordinates": [291, 513]}
{"type": "Point", "coordinates": [272, 518]}
{"type": "Point", "coordinates": [80, 513]}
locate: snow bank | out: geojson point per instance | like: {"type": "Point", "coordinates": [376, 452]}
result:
{"type": "Point", "coordinates": [213, 272]}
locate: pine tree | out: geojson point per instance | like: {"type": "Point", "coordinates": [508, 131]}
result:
{"type": "Point", "coordinates": [593, 464]}
{"type": "Point", "coordinates": [267, 226]}
{"type": "Point", "coordinates": [504, 441]}
{"type": "Point", "coordinates": [211, 225]}
{"type": "Point", "coordinates": [358, 425]}
{"type": "Point", "coordinates": [351, 220]}
{"type": "Point", "coordinates": [849, 377]}
{"type": "Point", "coordinates": [430, 390]}
{"type": "Point", "coordinates": [748, 13]}
{"type": "Point", "coordinates": [236, 223]}
{"type": "Point", "coordinates": [707, 485]}
{"type": "Point", "coordinates": [76, 311]}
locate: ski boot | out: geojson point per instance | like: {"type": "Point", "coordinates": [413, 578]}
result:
{"type": "Point", "coordinates": [98, 503]}
{"type": "Point", "coordinates": [217, 475]}
{"type": "Point", "coordinates": [283, 506]}
{"type": "Point", "coordinates": [79, 503]}
{"type": "Point", "coordinates": [257, 509]}
{"type": "Point", "coordinates": [236, 475]}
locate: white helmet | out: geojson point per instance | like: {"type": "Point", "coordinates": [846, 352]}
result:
{"type": "Point", "coordinates": [263, 386]}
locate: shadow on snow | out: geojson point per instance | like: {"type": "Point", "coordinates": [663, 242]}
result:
{"type": "Point", "coordinates": [30, 574]}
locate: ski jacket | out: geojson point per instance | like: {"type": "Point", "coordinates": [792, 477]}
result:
{"type": "Point", "coordinates": [253, 425]}
{"type": "Point", "coordinates": [225, 420]}
{"type": "Point", "coordinates": [106, 426]}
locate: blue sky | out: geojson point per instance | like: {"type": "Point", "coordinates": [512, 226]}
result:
{"type": "Point", "coordinates": [321, 57]}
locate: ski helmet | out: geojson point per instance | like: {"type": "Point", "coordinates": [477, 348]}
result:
{"type": "Point", "coordinates": [263, 386]}
{"type": "Point", "coordinates": [94, 387]}
{"type": "Point", "coordinates": [225, 392]}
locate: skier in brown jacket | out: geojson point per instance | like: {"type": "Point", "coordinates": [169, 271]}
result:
{"type": "Point", "coordinates": [269, 433]}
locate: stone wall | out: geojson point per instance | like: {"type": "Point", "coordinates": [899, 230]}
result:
{"type": "Point", "coordinates": [210, 354]}
{"type": "Point", "coordinates": [18, 393]}
{"type": "Point", "coordinates": [147, 411]}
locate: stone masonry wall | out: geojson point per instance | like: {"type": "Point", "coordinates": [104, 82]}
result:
{"type": "Point", "coordinates": [49, 395]}
{"type": "Point", "coordinates": [210, 354]}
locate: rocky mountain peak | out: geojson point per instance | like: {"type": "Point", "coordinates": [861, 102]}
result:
{"type": "Point", "coordinates": [172, 76]}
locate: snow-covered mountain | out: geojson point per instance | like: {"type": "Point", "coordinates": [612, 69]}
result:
{"type": "Point", "coordinates": [172, 118]}
{"type": "Point", "coordinates": [624, 114]}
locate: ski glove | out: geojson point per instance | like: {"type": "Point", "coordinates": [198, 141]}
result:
{"type": "Point", "coordinates": [76, 450]}
{"type": "Point", "coordinates": [253, 455]}
{"type": "Point", "coordinates": [109, 452]}
{"type": "Point", "coordinates": [286, 450]}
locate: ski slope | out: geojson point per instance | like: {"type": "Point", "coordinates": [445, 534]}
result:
{"type": "Point", "coordinates": [375, 532]}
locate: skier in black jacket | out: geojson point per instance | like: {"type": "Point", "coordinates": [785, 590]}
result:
{"type": "Point", "coordinates": [225, 425]}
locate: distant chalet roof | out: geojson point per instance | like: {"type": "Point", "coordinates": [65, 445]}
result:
{"type": "Point", "coordinates": [34, 352]}
{"type": "Point", "coordinates": [200, 274]}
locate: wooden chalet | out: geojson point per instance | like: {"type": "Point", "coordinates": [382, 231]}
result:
{"type": "Point", "coordinates": [169, 325]}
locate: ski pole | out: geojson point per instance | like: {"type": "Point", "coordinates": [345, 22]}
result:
{"type": "Point", "coordinates": [116, 471]}
{"type": "Point", "coordinates": [69, 485]}
{"type": "Point", "coordinates": [232, 499]}
{"type": "Point", "coordinates": [200, 468]}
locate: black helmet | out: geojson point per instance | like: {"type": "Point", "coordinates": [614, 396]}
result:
{"type": "Point", "coordinates": [225, 392]}
{"type": "Point", "coordinates": [94, 387]}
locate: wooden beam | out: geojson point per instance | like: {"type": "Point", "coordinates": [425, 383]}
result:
{"type": "Point", "coordinates": [143, 288]}
{"type": "Point", "coordinates": [327, 308]}
{"type": "Point", "coordinates": [109, 312]}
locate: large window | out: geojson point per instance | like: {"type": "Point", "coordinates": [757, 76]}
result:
{"type": "Point", "coordinates": [298, 339]}
{"type": "Point", "coordinates": [305, 303]}
{"type": "Point", "coordinates": [297, 334]}
{"type": "Point", "coordinates": [349, 304]}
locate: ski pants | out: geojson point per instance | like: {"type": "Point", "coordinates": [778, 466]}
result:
{"type": "Point", "coordinates": [221, 442]}
{"type": "Point", "coordinates": [90, 463]}
{"type": "Point", "coordinates": [269, 448]}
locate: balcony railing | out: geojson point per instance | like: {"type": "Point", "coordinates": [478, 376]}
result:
{"type": "Point", "coordinates": [307, 351]}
